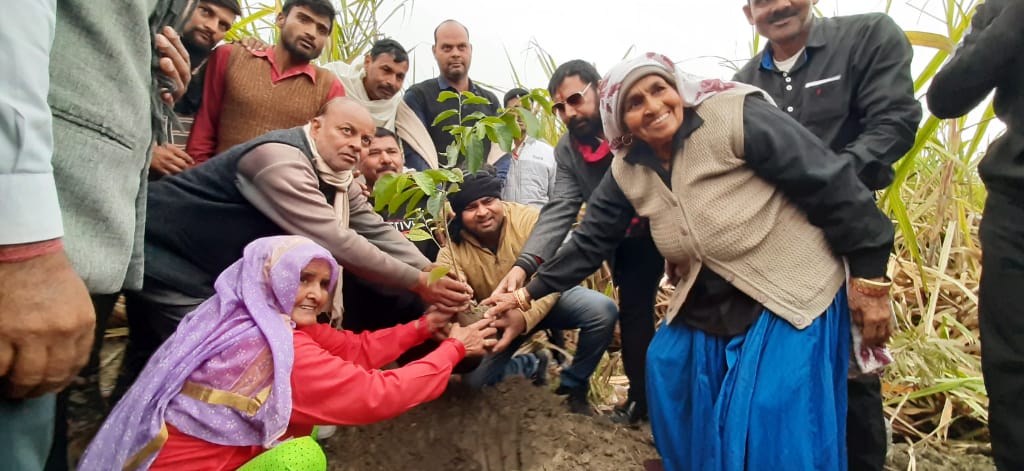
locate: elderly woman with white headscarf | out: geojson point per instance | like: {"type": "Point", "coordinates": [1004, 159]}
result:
{"type": "Point", "coordinates": [758, 222]}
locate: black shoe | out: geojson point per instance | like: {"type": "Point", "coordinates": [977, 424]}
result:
{"type": "Point", "coordinates": [631, 413]}
{"type": "Point", "coordinates": [540, 377]}
{"type": "Point", "coordinates": [577, 400]}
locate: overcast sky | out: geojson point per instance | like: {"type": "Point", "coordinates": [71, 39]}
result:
{"type": "Point", "coordinates": [699, 35]}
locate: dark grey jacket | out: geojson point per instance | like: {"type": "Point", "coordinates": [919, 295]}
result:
{"type": "Point", "coordinates": [990, 58]}
{"type": "Point", "coordinates": [575, 180]}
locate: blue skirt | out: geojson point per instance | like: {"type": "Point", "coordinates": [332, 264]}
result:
{"type": "Point", "coordinates": [773, 398]}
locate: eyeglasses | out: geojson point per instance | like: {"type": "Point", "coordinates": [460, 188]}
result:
{"type": "Point", "coordinates": [574, 100]}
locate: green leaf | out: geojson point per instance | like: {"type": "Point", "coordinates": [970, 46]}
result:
{"type": "Point", "coordinates": [413, 210]}
{"type": "Point", "coordinates": [474, 154]}
{"type": "Point", "coordinates": [437, 274]}
{"type": "Point", "coordinates": [504, 139]}
{"type": "Point", "coordinates": [383, 190]}
{"type": "Point", "coordinates": [434, 205]}
{"type": "Point", "coordinates": [480, 131]}
{"type": "Point", "coordinates": [532, 124]}
{"type": "Point", "coordinates": [446, 95]}
{"type": "Point", "coordinates": [492, 121]}
{"type": "Point", "coordinates": [396, 203]}
{"type": "Point", "coordinates": [436, 174]}
{"type": "Point", "coordinates": [492, 134]}
{"type": "Point", "coordinates": [427, 184]}
{"type": "Point", "coordinates": [541, 96]}
{"type": "Point", "coordinates": [459, 176]}
{"type": "Point", "coordinates": [509, 120]}
{"type": "Point", "coordinates": [418, 235]}
{"type": "Point", "coordinates": [443, 116]}
{"type": "Point", "coordinates": [476, 100]}
{"type": "Point", "coordinates": [473, 116]}
{"type": "Point", "coordinates": [452, 153]}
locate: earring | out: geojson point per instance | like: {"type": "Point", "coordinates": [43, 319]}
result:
{"type": "Point", "coordinates": [627, 140]}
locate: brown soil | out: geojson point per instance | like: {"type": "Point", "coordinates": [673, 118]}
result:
{"type": "Point", "coordinates": [512, 426]}
{"type": "Point", "coordinates": [972, 457]}
{"type": "Point", "coordinates": [475, 313]}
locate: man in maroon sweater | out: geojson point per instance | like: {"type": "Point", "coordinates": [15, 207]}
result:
{"type": "Point", "coordinates": [248, 93]}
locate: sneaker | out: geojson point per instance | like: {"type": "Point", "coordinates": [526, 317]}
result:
{"type": "Point", "coordinates": [577, 400]}
{"type": "Point", "coordinates": [540, 377]}
{"type": "Point", "coordinates": [631, 413]}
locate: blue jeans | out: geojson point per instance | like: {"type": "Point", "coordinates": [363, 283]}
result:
{"type": "Point", "coordinates": [578, 308]}
{"type": "Point", "coordinates": [26, 431]}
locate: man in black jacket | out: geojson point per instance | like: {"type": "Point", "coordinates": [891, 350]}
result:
{"type": "Point", "coordinates": [453, 53]}
{"type": "Point", "coordinates": [847, 79]}
{"type": "Point", "coordinates": [990, 59]}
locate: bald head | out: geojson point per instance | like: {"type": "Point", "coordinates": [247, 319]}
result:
{"type": "Point", "coordinates": [342, 132]}
{"type": "Point", "coordinates": [446, 25]}
{"type": "Point", "coordinates": [453, 52]}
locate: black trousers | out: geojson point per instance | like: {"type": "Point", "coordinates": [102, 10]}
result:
{"type": "Point", "coordinates": [865, 424]}
{"type": "Point", "coordinates": [103, 305]}
{"type": "Point", "coordinates": [1002, 326]}
{"type": "Point", "coordinates": [638, 269]}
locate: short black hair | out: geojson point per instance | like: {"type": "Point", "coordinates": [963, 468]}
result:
{"type": "Point", "coordinates": [319, 7]}
{"type": "Point", "coordinates": [574, 68]}
{"type": "Point", "coordinates": [450, 21]}
{"type": "Point", "coordinates": [389, 46]}
{"type": "Point", "coordinates": [231, 5]}
{"type": "Point", "coordinates": [514, 93]}
{"type": "Point", "coordinates": [385, 132]}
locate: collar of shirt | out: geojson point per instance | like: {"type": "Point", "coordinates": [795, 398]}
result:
{"type": "Point", "coordinates": [815, 40]}
{"type": "Point", "coordinates": [642, 154]}
{"type": "Point", "coordinates": [445, 85]}
{"type": "Point", "coordinates": [308, 69]}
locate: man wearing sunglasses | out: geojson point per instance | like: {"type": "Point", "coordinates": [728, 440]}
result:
{"type": "Point", "coordinates": [582, 157]}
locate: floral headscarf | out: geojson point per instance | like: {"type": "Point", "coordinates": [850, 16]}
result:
{"type": "Point", "coordinates": [691, 88]}
{"type": "Point", "coordinates": [240, 342]}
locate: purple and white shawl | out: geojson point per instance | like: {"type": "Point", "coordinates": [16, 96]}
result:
{"type": "Point", "coordinates": [240, 341]}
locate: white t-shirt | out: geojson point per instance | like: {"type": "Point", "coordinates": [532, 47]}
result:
{"type": "Point", "coordinates": [787, 65]}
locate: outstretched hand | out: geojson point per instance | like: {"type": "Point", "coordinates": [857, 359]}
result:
{"type": "Point", "coordinates": [475, 337]}
{"type": "Point", "coordinates": [438, 323]}
{"type": "Point", "coordinates": [513, 324]}
{"type": "Point", "coordinates": [501, 303]}
{"type": "Point", "coordinates": [448, 294]}
{"type": "Point", "coordinates": [513, 280]}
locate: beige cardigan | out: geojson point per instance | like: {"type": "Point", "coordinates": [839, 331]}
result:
{"type": "Point", "coordinates": [720, 215]}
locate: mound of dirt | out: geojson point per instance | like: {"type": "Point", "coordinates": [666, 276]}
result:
{"type": "Point", "coordinates": [512, 426]}
{"type": "Point", "coordinates": [926, 458]}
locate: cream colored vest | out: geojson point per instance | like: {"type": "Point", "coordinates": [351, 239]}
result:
{"type": "Point", "coordinates": [720, 215]}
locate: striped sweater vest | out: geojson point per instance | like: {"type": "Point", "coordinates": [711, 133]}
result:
{"type": "Point", "coordinates": [254, 106]}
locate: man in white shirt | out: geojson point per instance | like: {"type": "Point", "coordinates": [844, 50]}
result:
{"type": "Point", "coordinates": [530, 167]}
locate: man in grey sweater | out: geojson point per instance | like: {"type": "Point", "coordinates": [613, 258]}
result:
{"type": "Point", "coordinates": [292, 181]}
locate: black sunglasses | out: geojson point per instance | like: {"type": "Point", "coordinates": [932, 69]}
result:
{"type": "Point", "coordinates": [574, 100]}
